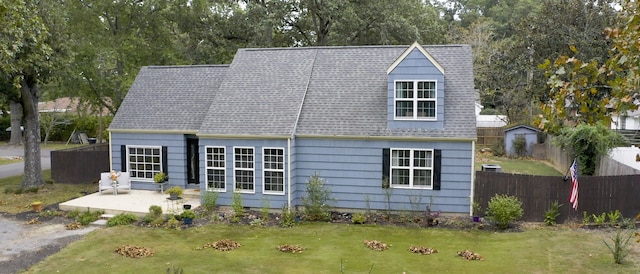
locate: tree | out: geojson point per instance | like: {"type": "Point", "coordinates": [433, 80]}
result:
{"type": "Point", "coordinates": [26, 58]}
{"type": "Point", "coordinates": [589, 143]}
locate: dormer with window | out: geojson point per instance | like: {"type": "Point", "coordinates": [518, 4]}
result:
{"type": "Point", "coordinates": [416, 90]}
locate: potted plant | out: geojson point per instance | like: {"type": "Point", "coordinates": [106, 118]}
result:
{"type": "Point", "coordinates": [36, 206]}
{"type": "Point", "coordinates": [187, 216]}
{"type": "Point", "coordinates": [160, 178]}
{"type": "Point", "coordinates": [174, 192]}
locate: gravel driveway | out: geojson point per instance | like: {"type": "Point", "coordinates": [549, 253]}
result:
{"type": "Point", "coordinates": [24, 245]}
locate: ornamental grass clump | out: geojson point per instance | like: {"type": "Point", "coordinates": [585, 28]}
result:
{"type": "Point", "coordinates": [504, 209]}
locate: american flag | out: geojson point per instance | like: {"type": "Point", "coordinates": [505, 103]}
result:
{"type": "Point", "coordinates": [574, 185]}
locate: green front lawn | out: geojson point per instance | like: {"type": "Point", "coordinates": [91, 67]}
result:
{"type": "Point", "coordinates": [338, 248]}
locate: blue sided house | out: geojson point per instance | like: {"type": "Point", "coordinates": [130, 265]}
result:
{"type": "Point", "coordinates": [384, 126]}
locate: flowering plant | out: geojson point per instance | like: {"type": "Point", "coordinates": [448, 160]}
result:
{"type": "Point", "coordinates": [114, 177]}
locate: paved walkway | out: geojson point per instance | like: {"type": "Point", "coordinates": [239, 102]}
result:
{"type": "Point", "coordinates": [7, 151]}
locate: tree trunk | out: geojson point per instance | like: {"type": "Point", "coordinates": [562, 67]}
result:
{"type": "Point", "coordinates": [29, 94]}
{"type": "Point", "coordinates": [16, 118]}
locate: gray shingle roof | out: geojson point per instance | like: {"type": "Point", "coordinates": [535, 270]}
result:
{"type": "Point", "coordinates": [344, 90]}
{"type": "Point", "coordinates": [169, 98]}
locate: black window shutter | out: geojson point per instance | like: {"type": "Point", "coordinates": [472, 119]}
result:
{"type": "Point", "coordinates": [386, 166]}
{"type": "Point", "coordinates": [437, 166]}
{"type": "Point", "coordinates": [165, 164]}
{"type": "Point", "coordinates": [123, 158]}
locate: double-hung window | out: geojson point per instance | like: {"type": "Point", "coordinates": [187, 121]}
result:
{"type": "Point", "coordinates": [415, 100]}
{"type": "Point", "coordinates": [412, 168]}
{"type": "Point", "coordinates": [273, 167]}
{"type": "Point", "coordinates": [216, 168]}
{"type": "Point", "coordinates": [243, 163]}
{"type": "Point", "coordinates": [144, 161]}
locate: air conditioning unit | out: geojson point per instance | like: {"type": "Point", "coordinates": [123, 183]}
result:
{"type": "Point", "coordinates": [491, 168]}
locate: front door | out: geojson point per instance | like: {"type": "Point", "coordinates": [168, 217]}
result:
{"type": "Point", "coordinates": [193, 173]}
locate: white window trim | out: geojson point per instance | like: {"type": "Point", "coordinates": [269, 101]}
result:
{"type": "Point", "coordinates": [224, 149]}
{"type": "Point", "coordinates": [415, 100]}
{"type": "Point", "coordinates": [251, 169]}
{"type": "Point", "coordinates": [264, 169]}
{"type": "Point", "coordinates": [411, 168]}
{"type": "Point", "coordinates": [138, 179]}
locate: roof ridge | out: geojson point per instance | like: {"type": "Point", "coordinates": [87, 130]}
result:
{"type": "Point", "coordinates": [351, 47]}
{"type": "Point", "coordinates": [187, 66]}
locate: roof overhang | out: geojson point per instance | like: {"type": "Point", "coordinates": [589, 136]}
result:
{"type": "Point", "coordinates": [426, 54]}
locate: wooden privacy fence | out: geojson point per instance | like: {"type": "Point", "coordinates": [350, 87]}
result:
{"type": "Point", "coordinates": [79, 165]}
{"type": "Point", "coordinates": [597, 194]}
{"type": "Point", "coordinates": [488, 136]}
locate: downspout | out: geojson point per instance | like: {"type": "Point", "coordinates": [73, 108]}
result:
{"type": "Point", "coordinates": [111, 153]}
{"type": "Point", "coordinates": [473, 176]}
{"type": "Point", "coordinates": [295, 127]}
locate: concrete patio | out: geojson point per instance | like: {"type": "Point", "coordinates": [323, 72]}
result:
{"type": "Point", "coordinates": [134, 201]}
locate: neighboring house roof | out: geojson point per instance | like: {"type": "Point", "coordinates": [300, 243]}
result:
{"type": "Point", "coordinates": [169, 98]}
{"type": "Point", "coordinates": [312, 91]}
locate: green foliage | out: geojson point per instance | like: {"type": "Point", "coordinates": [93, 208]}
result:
{"type": "Point", "coordinates": [265, 209]}
{"type": "Point", "coordinates": [175, 190]}
{"type": "Point", "coordinates": [288, 217]}
{"type": "Point", "coordinates": [619, 246]}
{"type": "Point", "coordinates": [586, 218]}
{"type": "Point", "coordinates": [504, 209]}
{"type": "Point", "coordinates": [237, 206]}
{"type": "Point", "coordinates": [172, 223]}
{"type": "Point", "coordinates": [155, 210]}
{"type": "Point", "coordinates": [552, 213]}
{"type": "Point", "coordinates": [160, 177]}
{"type": "Point", "coordinates": [614, 217]}
{"type": "Point", "coordinates": [209, 200]}
{"type": "Point", "coordinates": [498, 148]}
{"type": "Point", "coordinates": [317, 199]}
{"type": "Point", "coordinates": [87, 217]}
{"type": "Point", "coordinates": [600, 219]}
{"type": "Point", "coordinates": [589, 143]}
{"type": "Point", "coordinates": [519, 145]}
{"type": "Point", "coordinates": [188, 214]}
{"type": "Point", "coordinates": [122, 219]}
{"type": "Point", "coordinates": [359, 218]}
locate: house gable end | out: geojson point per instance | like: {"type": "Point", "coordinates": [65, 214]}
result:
{"type": "Point", "coordinates": [415, 85]}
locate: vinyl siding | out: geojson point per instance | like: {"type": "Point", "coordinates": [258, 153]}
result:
{"type": "Point", "coordinates": [176, 155]}
{"type": "Point", "coordinates": [353, 171]}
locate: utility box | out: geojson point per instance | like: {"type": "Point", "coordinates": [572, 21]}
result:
{"type": "Point", "coordinates": [491, 168]}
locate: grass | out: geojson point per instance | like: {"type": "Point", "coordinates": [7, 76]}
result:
{"type": "Point", "coordinates": [9, 161]}
{"type": "Point", "coordinates": [47, 194]}
{"type": "Point", "coordinates": [337, 248]}
{"type": "Point", "coordinates": [516, 165]}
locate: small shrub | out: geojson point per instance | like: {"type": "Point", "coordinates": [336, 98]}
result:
{"type": "Point", "coordinates": [519, 145]}
{"type": "Point", "coordinates": [88, 217]}
{"type": "Point", "coordinates": [209, 200]}
{"type": "Point", "coordinates": [619, 246]}
{"type": "Point", "coordinates": [318, 195]}
{"type": "Point", "coordinates": [498, 148]}
{"type": "Point", "coordinates": [586, 218]}
{"type": "Point", "coordinates": [552, 213]}
{"type": "Point", "coordinates": [122, 219]}
{"type": "Point", "coordinates": [237, 206]}
{"type": "Point", "coordinates": [504, 209]}
{"type": "Point", "coordinates": [614, 216]}
{"type": "Point", "coordinates": [358, 218]}
{"type": "Point", "coordinates": [173, 223]}
{"type": "Point", "coordinates": [155, 210]}
{"type": "Point", "coordinates": [188, 214]}
{"type": "Point", "coordinates": [288, 218]}
{"type": "Point", "coordinates": [264, 211]}
{"type": "Point", "coordinates": [600, 219]}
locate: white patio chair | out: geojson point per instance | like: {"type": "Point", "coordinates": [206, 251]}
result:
{"type": "Point", "coordinates": [124, 181]}
{"type": "Point", "coordinates": [105, 182]}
